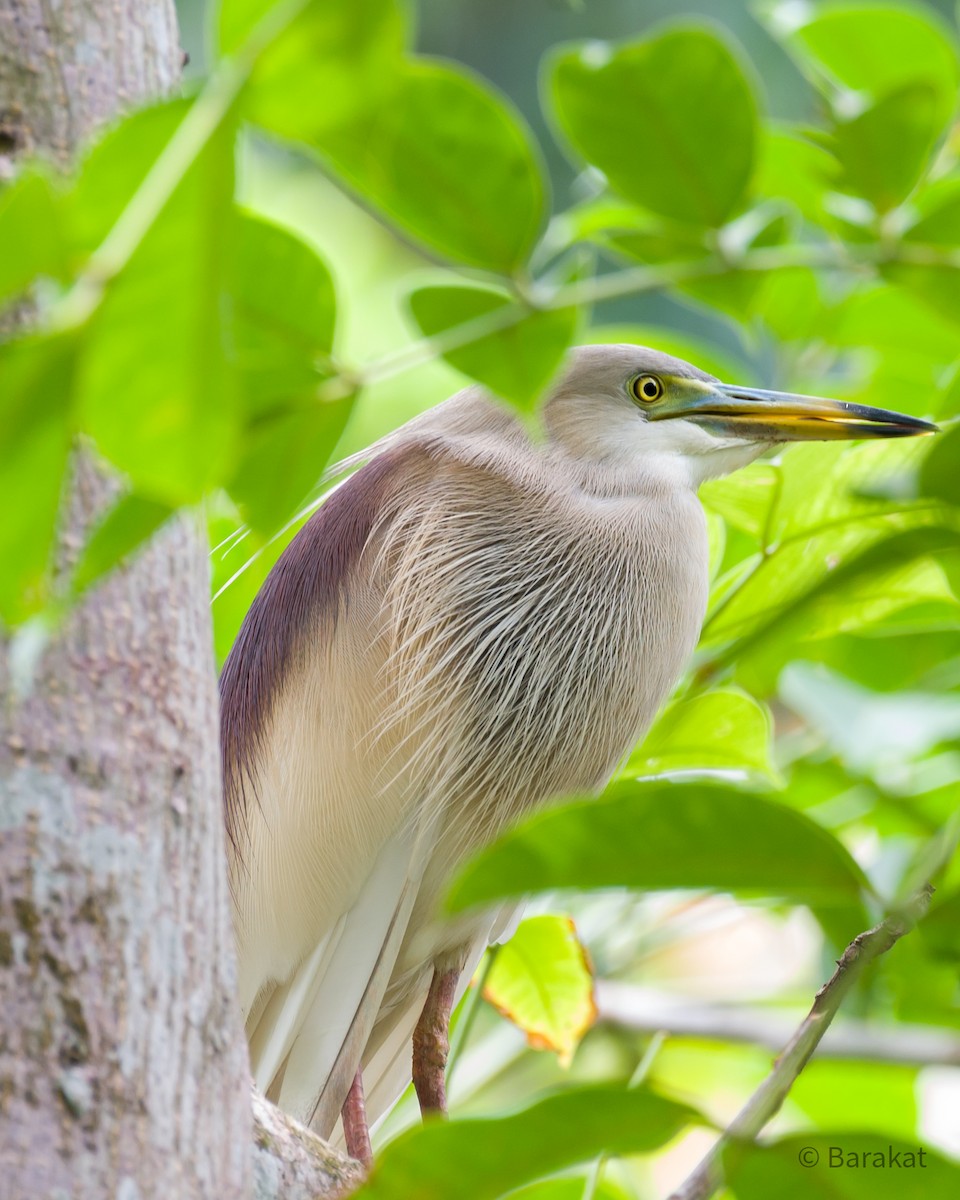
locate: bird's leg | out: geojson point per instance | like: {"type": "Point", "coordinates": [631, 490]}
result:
{"type": "Point", "coordinates": [431, 1042]}
{"type": "Point", "coordinates": [354, 1116]}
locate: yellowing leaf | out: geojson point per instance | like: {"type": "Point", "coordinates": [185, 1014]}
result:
{"type": "Point", "coordinates": [541, 980]}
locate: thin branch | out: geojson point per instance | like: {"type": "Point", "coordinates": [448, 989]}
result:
{"type": "Point", "coordinates": [643, 1010]}
{"type": "Point", "coordinates": [767, 1100]}
{"type": "Point", "coordinates": [634, 281]}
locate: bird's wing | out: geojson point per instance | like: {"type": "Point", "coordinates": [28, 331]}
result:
{"type": "Point", "coordinates": [306, 1046]}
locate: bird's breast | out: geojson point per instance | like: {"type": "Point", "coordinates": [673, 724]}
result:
{"type": "Point", "coordinates": [534, 646]}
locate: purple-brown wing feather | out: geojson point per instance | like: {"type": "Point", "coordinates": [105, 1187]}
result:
{"type": "Point", "coordinates": [302, 591]}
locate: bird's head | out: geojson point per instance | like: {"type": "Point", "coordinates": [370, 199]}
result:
{"type": "Point", "coordinates": [623, 404]}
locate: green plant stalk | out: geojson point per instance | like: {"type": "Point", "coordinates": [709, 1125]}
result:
{"type": "Point", "coordinates": [767, 1100]}
{"type": "Point", "coordinates": [201, 122]}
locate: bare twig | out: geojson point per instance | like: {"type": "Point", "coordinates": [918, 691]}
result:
{"type": "Point", "coordinates": [766, 1101]}
{"type": "Point", "coordinates": [645, 1010]}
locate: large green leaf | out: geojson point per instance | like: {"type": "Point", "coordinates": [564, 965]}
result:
{"type": "Point", "coordinates": [283, 457]}
{"type": "Point", "coordinates": [721, 730]}
{"type": "Point", "coordinates": [331, 63]}
{"type": "Point", "coordinates": [811, 516]}
{"type": "Point", "coordinates": [36, 379]}
{"type": "Point", "coordinates": [670, 120]}
{"type": "Point", "coordinates": [795, 168]}
{"type": "Point", "coordinates": [31, 232]}
{"type": "Point", "coordinates": [155, 387]}
{"type": "Point", "coordinates": [482, 1159]}
{"type": "Point", "coordinates": [884, 151]}
{"type": "Point", "coordinates": [650, 835]}
{"type": "Point", "coordinates": [876, 48]}
{"type": "Point", "coordinates": [115, 166]}
{"type": "Point", "coordinates": [940, 473]}
{"type": "Point", "coordinates": [941, 927]}
{"type": "Point", "coordinates": [123, 530]}
{"type": "Point", "coordinates": [284, 310]}
{"type": "Point", "coordinates": [541, 981]}
{"type": "Point", "coordinates": [516, 362]}
{"type": "Point", "coordinates": [447, 160]}
{"type": "Point", "coordinates": [840, 1164]}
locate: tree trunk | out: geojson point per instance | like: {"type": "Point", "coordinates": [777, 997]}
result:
{"type": "Point", "coordinates": [123, 1069]}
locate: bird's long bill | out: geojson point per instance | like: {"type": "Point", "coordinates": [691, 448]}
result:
{"type": "Point", "coordinates": [757, 415]}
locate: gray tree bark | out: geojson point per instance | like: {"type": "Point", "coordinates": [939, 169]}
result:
{"type": "Point", "coordinates": [123, 1068]}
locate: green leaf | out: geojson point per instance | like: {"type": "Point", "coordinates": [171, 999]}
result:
{"type": "Point", "coordinates": [447, 161]}
{"type": "Point", "coordinates": [30, 233]}
{"type": "Point", "coordinates": [886, 558]}
{"type": "Point", "coordinates": [571, 1187]}
{"type": "Point", "coordinates": [518, 362]}
{"type": "Point", "coordinates": [800, 1166]}
{"type": "Point", "coordinates": [541, 981]}
{"type": "Point", "coordinates": [125, 528]}
{"type": "Point", "coordinates": [332, 63]}
{"type": "Point", "coordinates": [36, 378]}
{"type": "Point", "coordinates": [284, 311]}
{"type": "Point", "coordinates": [885, 150]}
{"type": "Point", "coordinates": [721, 730]}
{"type": "Point", "coordinates": [155, 388]}
{"type": "Point", "coordinates": [940, 472]}
{"type": "Point", "coordinates": [812, 518]}
{"type": "Point", "coordinates": [670, 120]}
{"type": "Point", "coordinates": [283, 457]}
{"type": "Point", "coordinates": [115, 166]}
{"type": "Point", "coordinates": [796, 169]}
{"type": "Point", "coordinates": [876, 48]}
{"type": "Point", "coordinates": [654, 836]}
{"type": "Point", "coordinates": [940, 928]}
{"type": "Point", "coordinates": [482, 1159]}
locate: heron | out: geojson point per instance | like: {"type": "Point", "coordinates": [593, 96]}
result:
{"type": "Point", "coordinates": [481, 619]}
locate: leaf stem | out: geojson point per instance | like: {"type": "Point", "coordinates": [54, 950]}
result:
{"type": "Point", "coordinates": [767, 1100]}
{"type": "Point", "coordinates": [201, 122]}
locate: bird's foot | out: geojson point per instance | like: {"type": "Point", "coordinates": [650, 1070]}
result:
{"type": "Point", "coordinates": [356, 1133]}
{"type": "Point", "coordinates": [431, 1043]}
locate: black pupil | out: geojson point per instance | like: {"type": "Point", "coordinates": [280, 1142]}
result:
{"type": "Point", "coordinates": [650, 389]}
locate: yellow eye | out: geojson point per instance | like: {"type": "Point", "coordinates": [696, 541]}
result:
{"type": "Point", "coordinates": [647, 388]}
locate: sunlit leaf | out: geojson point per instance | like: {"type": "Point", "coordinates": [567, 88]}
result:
{"type": "Point", "coordinates": [447, 161]}
{"type": "Point", "coordinates": [284, 309]}
{"type": "Point", "coordinates": [885, 150]}
{"type": "Point", "coordinates": [670, 120]}
{"type": "Point", "coordinates": [649, 835]}
{"type": "Point", "coordinates": [813, 518]}
{"type": "Point", "coordinates": [330, 64]}
{"type": "Point", "coordinates": [876, 48]}
{"type": "Point", "coordinates": [940, 928]}
{"type": "Point", "coordinates": [155, 388]}
{"type": "Point", "coordinates": [126, 526]}
{"type": "Point", "coordinates": [481, 1159]}
{"type": "Point", "coordinates": [31, 233]}
{"type": "Point", "coordinates": [796, 169]}
{"type": "Point", "coordinates": [940, 472]}
{"type": "Point", "coordinates": [36, 379]}
{"type": "Point", "coordinates": [541, 981]}
{"type": "Point", "coordinates": [721, 730]}
{"type": "Point", "coordinates": [283, 457]}
{"type": "Point", "coordinates": [113, 169]}
{"type": "Point", "coordinates": [516, 362]}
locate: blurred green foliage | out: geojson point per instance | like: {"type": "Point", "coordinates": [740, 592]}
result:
{"type": "Point", "coordinates": [326, 234]}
